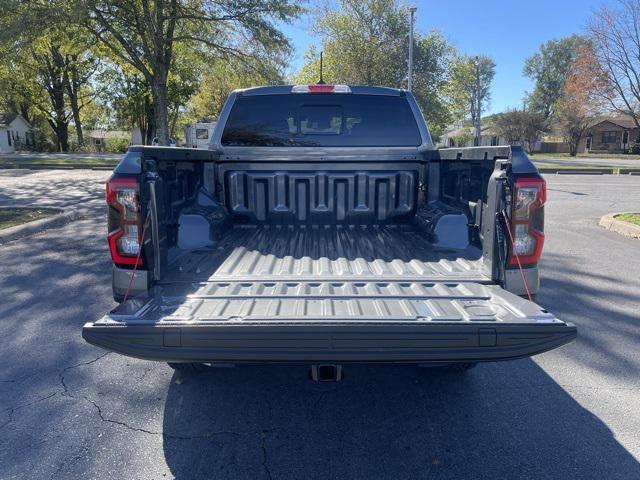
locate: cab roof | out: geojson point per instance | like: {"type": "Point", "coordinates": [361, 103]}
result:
{"type": "Point", "coordinates": [355, 89]}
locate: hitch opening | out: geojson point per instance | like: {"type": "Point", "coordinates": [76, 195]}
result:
{"type": "Point", "coordinates": [326, 373]}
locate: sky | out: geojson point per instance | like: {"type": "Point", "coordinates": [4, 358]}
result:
{"type": "Point", "coordinates": [508, 31]}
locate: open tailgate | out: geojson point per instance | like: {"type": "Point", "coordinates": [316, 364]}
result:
{"type": "Point", "coordinates": [330, 321]}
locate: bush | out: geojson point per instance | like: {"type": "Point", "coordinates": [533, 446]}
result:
{"type": "Point", "coordinates": [635, 148]}
{"type": "Point", "coordinates": [116, 145]}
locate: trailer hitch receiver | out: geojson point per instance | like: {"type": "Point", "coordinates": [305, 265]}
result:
{"type": "Point", "coordinates": [326, 373]}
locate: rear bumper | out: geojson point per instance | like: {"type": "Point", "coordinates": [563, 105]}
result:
{"type": "Point", "coordinates": [336, 343]}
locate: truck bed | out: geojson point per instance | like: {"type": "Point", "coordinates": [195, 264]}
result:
{"type": "Point", "coordinates": [327, 253]}
{"type": "Point", "coordinates": [345, 294]}
{"type": "Point", "coordinates": [267, 274]}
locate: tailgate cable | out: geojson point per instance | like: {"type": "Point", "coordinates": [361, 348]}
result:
{"type": "Point", "coordinates": [135, 267]}
{"type": "Point", "coordinates": [506, 192]}
{"type": "Point", "coordinates": [513, 250]}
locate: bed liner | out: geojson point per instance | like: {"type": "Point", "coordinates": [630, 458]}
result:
{"type": "Point", "coordinates": [279, 253]}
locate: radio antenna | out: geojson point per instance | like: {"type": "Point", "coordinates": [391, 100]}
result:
{"type": "Point", "coordinates": [321, 82]}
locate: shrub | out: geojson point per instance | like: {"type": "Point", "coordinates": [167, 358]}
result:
{"type": "Point", "coordinates": [116, 145]}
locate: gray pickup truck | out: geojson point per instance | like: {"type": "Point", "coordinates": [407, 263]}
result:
{"type": "Point", "coordinates": [323, 228]}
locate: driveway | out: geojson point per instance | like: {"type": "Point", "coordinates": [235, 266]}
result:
{"type": "Point", "coordinates": [70, 410]}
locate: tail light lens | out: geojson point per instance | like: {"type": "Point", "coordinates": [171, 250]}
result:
{"type": "Point", "coordinates": [123, 198]}
{"type": "Point", "coordinates": [527, 220]}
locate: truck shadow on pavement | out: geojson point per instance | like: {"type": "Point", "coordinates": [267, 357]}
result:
{"type": "Point", "coordinates": [498, 421]}
{"type": "Point", "coordinates": [504, 420]}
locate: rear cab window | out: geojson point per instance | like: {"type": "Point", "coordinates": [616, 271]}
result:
{"type": "Point", "coordinates": [321, 120]}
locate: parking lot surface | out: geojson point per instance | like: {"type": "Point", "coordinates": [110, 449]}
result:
{"type": "Point", "coordinates": [70, 410]}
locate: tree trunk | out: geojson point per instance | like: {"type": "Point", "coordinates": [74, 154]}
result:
{"type": "Point", "coordinates": [148, 120]}
{"type": "Point", "coordinates": [76, 118]}
{"type": "Point", "coordinates": [61, 130]}
{"type": "Point", "coordinates": [573, 146]}
{"type": "Point", "coordinates": [161, 117]}
{"type": "Point", "coordinates": [62, 134]}
{"type": "Point", "coordinates": [173, 121]}
{"type": "Point", "coordinates": [72, 92]}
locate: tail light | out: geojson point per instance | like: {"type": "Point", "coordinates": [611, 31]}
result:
{"type": "Point", "coordinates": [123, 198]}
{"type": "Point", "coordinates": [527, 221]}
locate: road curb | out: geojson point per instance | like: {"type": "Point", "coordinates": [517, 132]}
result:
{"type": "Point", "coordinates": [27, 229]}
{"type": "Point", "coordinates": [623, 228]}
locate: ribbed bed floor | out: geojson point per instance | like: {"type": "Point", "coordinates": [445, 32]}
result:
{"type": "Point", "coordinates": [364, 253]}
{"type": "Point", "coordinates": [321, 274]}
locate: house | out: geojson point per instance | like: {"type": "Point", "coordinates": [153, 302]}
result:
{"type": "Point", "coordinates": [610, 134]}
{"type": "Point", "coordinates": [97, 139]}
{"type": "Point", "coordinates": [15, 133]}
{"type": "Point", "coordinates": [465, 136]}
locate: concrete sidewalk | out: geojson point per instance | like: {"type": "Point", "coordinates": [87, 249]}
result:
{"type": "Point", "coordinates": [45, 157]}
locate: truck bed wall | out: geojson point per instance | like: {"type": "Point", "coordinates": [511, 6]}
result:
{"type": "Point", "coordinates": [371, 195]}
{"type": "Point", "coordinates": [343, 192]}
{"type": "Point", "coordinates": [347, 191]}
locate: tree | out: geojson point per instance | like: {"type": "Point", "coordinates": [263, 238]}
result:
{"type": "Point", "coordinates": [129, 97]}
{"type": "Point", "coordinates": [472, 78]}
{"type": "Point", "coordinates": [146, 33]}
{"type": "Point", "coordinates": [222, 77]}
{"type": "Point", "coordinates": [615, 35]}
{"type": "Point", "coordinates": [80, 66]}
{"type": "Point", "coordinates": [52, 65]}
{"type": "Point", "coordinates": [519, 126]}
{"type": "Point", "coordinates": [366, 42]}
{"type": "Point", "coordinates": [581, 101]}
{"type": "Point", "coordinates": [548, 69]}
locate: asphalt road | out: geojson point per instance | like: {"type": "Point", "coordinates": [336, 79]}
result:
{"type": "Point", "coordinates": [69, 410]}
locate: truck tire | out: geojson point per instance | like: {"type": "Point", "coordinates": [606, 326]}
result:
{"type": "Point", "coordinates": [188, 367]}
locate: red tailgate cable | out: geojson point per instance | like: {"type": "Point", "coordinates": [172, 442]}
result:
{"type": "Point", "coordinates": [513, 249]}
{"type": "Point", "coordinates": [135, 267]}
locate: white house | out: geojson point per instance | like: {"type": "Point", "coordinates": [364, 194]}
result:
{"type": "Point", "coordinates": [15, 133]}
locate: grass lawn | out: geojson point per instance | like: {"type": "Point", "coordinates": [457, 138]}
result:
{"type": "Point", "coordinates": [10, 217]}
{"type": "Point", "coordinates": [76, 162]}
{"type": "Point", "coordinates": [555, 166]}
{"type": "Point", "coordinates": [553, 156]}
{"type": "Point", "coordinates": [629, 217]}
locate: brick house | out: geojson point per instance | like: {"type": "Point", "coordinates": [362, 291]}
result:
{"type": "Point", "coordinates": [610, 134]}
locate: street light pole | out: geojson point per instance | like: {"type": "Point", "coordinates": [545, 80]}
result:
{"type": "Point", "coordinates": [412, 11]}
{"type": "Point", "coordinates": [478, 105]}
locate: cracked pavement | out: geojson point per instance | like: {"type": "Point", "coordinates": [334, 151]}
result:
{"type": "Point", "coordinates": [70, 410]}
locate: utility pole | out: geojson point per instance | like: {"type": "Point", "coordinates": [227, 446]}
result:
{"type": "Point", "coordinates": [478, 105]}
{"type": "Point", "coordinates": [412, 11]}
